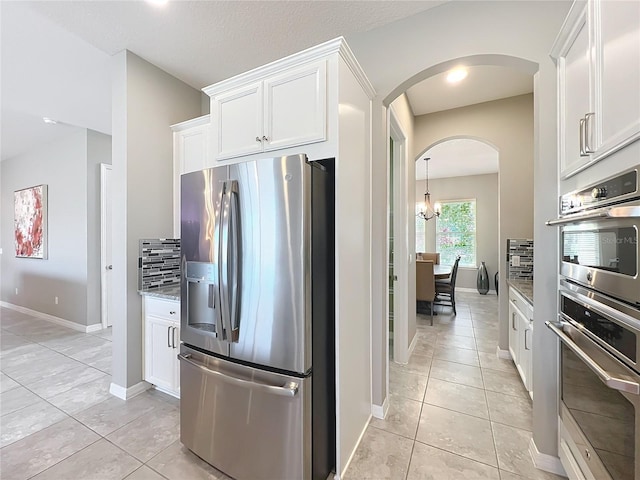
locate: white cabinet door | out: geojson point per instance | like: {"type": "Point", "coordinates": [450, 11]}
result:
{"type": "Point", "coordinates": [524, 355]}
{"type": "Point", "coordinates": [514, 336]}
{"type": "Point", "coordinates": [237, 119]}
{"type": "Point", "coordinates": [574, 94]}
{"type": "Point", "coordinates": [295, 107]}
{"type": "Point", "coordinates": [191, 148]}
{"type": "Point", "coordinates": [617, 27]}
{"type": "Point", "coordinates": [160, 362]}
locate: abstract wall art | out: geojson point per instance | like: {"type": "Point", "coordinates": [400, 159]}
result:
{"type": "Point", "coordinates": [30, 222]}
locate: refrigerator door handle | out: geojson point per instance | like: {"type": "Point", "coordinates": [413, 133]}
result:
{"type": "Point", "coordinates": [228, 265]}
{"type": "Point", "coordinates": [223, 261]}
{"type": "Point", "coordinates": [216, 291]}
{"type": "Point", "coordinates": [234, 245]}
{"type": "Point", "coordinates": [289, 389]}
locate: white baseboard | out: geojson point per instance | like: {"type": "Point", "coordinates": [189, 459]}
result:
{"type": "Point", "coordinates": [414, 342]}
{"type": "Point", "coordinates": [380, 411]}
{"type": "Point", "coordinates": [355, 448]}
{"type": "Point", "coordinates": [503, 353]}
{"type": "Point", "coordinates": [127, 393]}
{"type": "Point", "coordinates": [548, 463]}
{"type": "Point", "coordinates": [53, 319]}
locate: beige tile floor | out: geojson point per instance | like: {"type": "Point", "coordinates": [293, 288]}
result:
{"type": "Point", "coordinates": [456, 411]}
{"type": "Point", "coordinates": [58, 420]}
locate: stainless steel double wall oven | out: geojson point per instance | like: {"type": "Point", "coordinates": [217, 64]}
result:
{"type": "Point", "coordinates": [599, 327]}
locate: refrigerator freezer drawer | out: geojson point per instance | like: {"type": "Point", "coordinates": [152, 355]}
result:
{"type": "Point", "coordinates": [246, 422]}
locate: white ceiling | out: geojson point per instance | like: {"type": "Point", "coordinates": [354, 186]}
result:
{"type": "Point", "coordinates": [483, 84]}
{"type": "Point", "coordinates": [55, 55]}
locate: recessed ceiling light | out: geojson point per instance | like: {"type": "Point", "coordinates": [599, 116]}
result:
{"type": "Point", "coordinates": [158, 3]}
{"type": "Point", "coordinates": [457, 74]}
{"type": "Point", "coordinates": [49, 121]}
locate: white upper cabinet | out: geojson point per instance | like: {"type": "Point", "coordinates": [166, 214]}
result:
{"type": "Point", "coordinates": [190, 154]}
{"type": "Point", "coordinates": [282, 110]}
{"type": "Point", "coordinates": [598, 61]}
{"type": "Point", "coordinates": [238, 121]}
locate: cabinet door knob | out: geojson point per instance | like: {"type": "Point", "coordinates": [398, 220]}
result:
{"type": "Point", "coordinates": [172, 313]}
{"type": "Point", "coordinates": [258, 139]}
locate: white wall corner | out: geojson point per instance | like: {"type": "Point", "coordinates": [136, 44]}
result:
{"type": "Point", "coordinates": [380, 411]}
{"type": "Point", "coordinates": [548, 463]}
{"type": "Point", "coordinates": [504, 354]}
{"type": "Point", "coordinates": [127, 393]}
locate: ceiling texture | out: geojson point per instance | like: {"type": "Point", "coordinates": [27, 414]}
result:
{"type": "Point", "coordinates": [55, 55]}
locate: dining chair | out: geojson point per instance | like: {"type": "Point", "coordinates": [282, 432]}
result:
{"type": "Point", "coordinates": [446, 288]}
{"type": "Point", "coordinates": [425, 284]}
{"type": "Point", "coordinates": [434, 257]}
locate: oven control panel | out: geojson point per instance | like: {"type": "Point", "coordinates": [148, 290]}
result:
{"type": "Point", "coordinates": [618, 188]}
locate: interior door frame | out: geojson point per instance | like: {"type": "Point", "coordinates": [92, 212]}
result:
{"type": "Point", "coordinates": [105, 230]}
{"type": "Point", "coordinates": [400, 241]}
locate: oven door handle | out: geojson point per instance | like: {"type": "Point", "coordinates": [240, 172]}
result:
{"type": "Point", "coordinates": [615, 383]}
{"type": "Point", "coordinates": [629, 211]}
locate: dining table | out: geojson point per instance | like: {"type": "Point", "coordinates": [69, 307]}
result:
{"type": "Point", "coordinates": [440, 272]}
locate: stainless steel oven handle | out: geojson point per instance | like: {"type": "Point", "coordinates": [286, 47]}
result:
{"type": "Point", "coordinates": [629, 211]}
{"type": "Point", "coordinates": [615, 383]}
{"type": "Point", "coordinates": [289, 389]}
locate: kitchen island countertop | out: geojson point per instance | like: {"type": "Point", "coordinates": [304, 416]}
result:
{"type": "Point", "coordinates": [168, 292]}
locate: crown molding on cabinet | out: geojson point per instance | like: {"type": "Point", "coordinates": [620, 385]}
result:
{"type": "Point", "coordinates": [566, 36]}
{"type": "Point", "coordinates": [187, 124]}
{"type": "Point", "coordinates": [337, 45]}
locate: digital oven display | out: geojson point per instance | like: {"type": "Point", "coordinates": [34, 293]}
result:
{"type": "Point", "coordinates": [620, 338]}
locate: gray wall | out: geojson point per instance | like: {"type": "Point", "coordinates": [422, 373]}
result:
{"type": "Point", "coordinates": [484, 188]}
{"type": "Point", "coordinates": [146, 101]}
{"type": "Point", "coordinates": [507, 125]}
{"type": "Point", "coordinates": [69, 272]}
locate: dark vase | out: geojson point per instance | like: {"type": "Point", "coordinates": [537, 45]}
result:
{"type": "Point", "coordinates": [483, 280]}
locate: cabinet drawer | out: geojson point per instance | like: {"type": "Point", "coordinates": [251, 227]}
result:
{"type": "Point", "coordinates": [520, 303]}
{"type": "Point", "coordinates": [167, 309]}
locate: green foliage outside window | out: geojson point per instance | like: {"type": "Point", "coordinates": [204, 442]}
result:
{"type": "Point", "coordinates": [456, 232]}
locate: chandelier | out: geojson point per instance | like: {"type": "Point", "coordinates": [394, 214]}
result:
{"type": "Point", "coordinates": [427, 212]}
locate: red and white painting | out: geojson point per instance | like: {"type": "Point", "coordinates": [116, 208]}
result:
{"type": "Point", "coordinates": [30, 222]}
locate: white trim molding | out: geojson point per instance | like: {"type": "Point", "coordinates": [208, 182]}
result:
{"type": "Point", "coordinates": [53, 319]}
{"type": "Point", "coordinates": [130, 392]}
{"type": "Point", "coordinates": [380, 411]}
{"type": "Point", "coordinates": [548, 463]}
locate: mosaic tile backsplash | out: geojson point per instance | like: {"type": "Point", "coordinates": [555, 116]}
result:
{"type": "Point", "coordinates": [158, 263]}
{"type": "Point", "coordinates": [521, 248]}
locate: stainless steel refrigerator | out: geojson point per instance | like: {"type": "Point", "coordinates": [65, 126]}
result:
{"type": "Point", "coordinates": [257, 366]}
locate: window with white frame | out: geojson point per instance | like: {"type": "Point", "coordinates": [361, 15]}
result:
{"type": "Point", "coordinates": [456, 232]}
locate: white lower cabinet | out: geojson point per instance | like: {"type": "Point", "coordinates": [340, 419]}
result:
{"type": "Point", "coordinates": [521, 337]}
{"type": "Point", "coordinates": [161, 344]}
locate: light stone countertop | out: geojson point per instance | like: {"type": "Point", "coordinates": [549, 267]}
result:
{"type": "Point", "coordinates": [524, 288]}
{"type": "Point", "coordinates": [169, 292]}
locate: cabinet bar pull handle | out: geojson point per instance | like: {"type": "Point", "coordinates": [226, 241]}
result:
{"type": "Point", "coordinates": [588, 133]}
{"type": "Point", "coordinates": [583, 152]}
{"type": "Point", "coordinates": [168, 337]}
{"type": "Point", "coordinates": [525, 339]}
{"type": "Point", "coordinates": [265, 139]}
{"type": "Point", "coordinates": [513, 321]}
{"type": "Point", "coordinates": [258, 139]}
